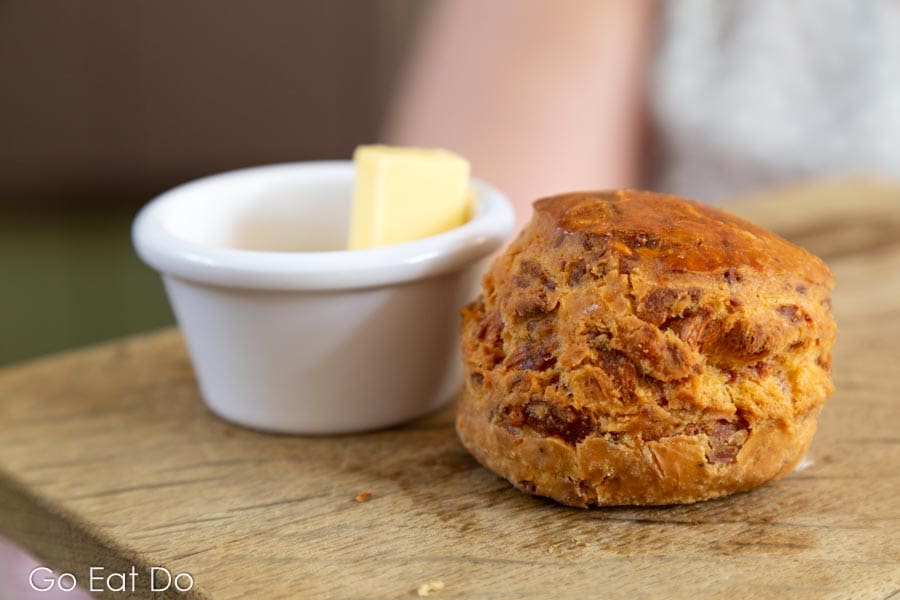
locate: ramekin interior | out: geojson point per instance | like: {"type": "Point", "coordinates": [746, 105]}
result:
{"type": "Point", "coordinates": [284, 226]}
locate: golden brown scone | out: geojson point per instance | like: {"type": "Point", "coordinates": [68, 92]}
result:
{"type": "Point", "coordinates": [638, 348]}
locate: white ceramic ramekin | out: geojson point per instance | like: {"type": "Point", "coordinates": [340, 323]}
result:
{"type": "Point", "coordinates": [290, 333]}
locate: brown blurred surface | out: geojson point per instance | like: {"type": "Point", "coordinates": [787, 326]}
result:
{"type": "Point", "coordinates": [108, 101]}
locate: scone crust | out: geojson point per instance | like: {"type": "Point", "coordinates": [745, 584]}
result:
{"type": "Point", "coordinates": [640, 348]}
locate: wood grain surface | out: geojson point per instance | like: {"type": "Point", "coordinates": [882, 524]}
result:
{"type": "Point", "coordinates": [109, 458]}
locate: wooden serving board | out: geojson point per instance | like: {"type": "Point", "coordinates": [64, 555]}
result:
{"type": "Point", "coordinates": [109, 458]}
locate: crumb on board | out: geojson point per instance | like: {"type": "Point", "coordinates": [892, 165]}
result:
{"type": "Point", "coordinates": [426, 589]}
{"type": "Point", "coordinates": [805, 463]}
{"type": "Point", "coordinates": [363, 496]}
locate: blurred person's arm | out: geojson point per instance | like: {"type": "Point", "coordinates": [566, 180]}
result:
{"type": "Point", "coordinates": [542, 97]}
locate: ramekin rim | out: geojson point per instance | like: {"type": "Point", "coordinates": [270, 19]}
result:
{"type": "Point", "coordinates": [172, 255]}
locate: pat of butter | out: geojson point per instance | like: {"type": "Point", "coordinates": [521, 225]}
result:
{"type": "Point", "coordinates": [404, 194]}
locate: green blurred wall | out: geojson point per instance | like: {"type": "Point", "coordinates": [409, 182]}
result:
{"type": "Point", "coordinates": [70, 278]}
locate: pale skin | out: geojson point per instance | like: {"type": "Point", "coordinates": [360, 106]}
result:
{"type": "Point", "coordinates": [542, 97]}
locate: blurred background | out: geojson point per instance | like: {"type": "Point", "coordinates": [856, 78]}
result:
{"type": "Point", "coordinates": [105, 104]}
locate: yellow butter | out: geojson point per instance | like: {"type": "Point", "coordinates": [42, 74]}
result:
{"type": "Point", "coordinates": [404, 194]}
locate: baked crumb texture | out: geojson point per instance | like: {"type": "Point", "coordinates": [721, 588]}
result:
{"type": "Point", "coordinates": [638, 348]}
